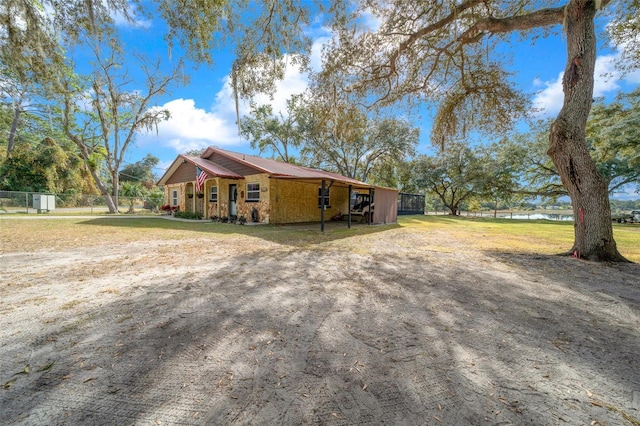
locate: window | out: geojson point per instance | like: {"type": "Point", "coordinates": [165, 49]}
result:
{"type": "Point", "coordinates": [174, 197]}
{"type": "Point", "coordinates": [253, 192]}
{"type": "Point", "coordinates": [326, 198]}
{"type": "Point", "coordinates": [213, 194]}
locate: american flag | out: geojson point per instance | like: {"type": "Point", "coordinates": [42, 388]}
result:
{"type": "Point", "coordinates": [200, 178]}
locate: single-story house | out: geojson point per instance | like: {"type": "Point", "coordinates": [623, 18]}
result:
{"type": "Point", "coordinates": [224, 183]}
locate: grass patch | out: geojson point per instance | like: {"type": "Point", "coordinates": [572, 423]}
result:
{"type": "Point", "coordinates": [71, 304]}
{"type": "Point", "coordinates": [74, 326]}
{"type": "Point", "coordinates": [22, 235]}
{"type": "Point", "coordinates": [122, 319]}
{"type": "Point", "coordinates": [521, 236]}
{"type": "Point", "coordinates": [504, 235]}
{"type": "Point", "coordinates": [39, 300]}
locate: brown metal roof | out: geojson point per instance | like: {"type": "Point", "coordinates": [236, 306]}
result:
{"type": "Point", "coordinates": [276, 169]}
{"type": "Point", "coordinates": [283, 170]}
{"type": "Point", "coordinates": [212, 169]}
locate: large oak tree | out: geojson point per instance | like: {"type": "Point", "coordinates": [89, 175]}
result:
{"type": "Point", "coordinates": [447, 52]}
{"type": "Point", "coordinates": [454, 176]}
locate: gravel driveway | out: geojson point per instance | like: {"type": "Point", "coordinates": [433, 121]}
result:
{"type": "Point", "coordinates": [395, 327]}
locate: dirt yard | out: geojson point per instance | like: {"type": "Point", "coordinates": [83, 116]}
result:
{"type": "Point", "coordinates": [394, 327]}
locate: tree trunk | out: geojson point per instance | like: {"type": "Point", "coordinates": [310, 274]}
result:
{"type": "Point", "coordinates": [593, 228]}
{"type": "Point", "coordinates": [115, 180]}
{"type": "Point", "coordinates": [14, 126]}
{"type": "Point", "coordinates": [113, 207]}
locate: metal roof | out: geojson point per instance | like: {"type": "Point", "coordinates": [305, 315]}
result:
{"type": "Point", "coordinates": [276, 169]}
{"type": "Point", "coordinates": [280, 169]}
{"type": "Point", "coordinates": [212, 169]}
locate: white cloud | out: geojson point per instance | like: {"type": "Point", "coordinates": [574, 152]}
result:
{"type": "Point", "coordinates": [316, 50]}
{"type": "Point", "coordinates": [371, 22]}
{"type": "Point", "coordinates": [606, 75]}
{"type": "Point", "coordinates": [138, 22]}
{"type": "Point", "coordinates": [293, 83]}
{"type": "Point", "coordinates": [549, 100]}
{"type": "Point", "coordinates": [628, 192]}
{"type": "Point", "coordinates": [191, 127]}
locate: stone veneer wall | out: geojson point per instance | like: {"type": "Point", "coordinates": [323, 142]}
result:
{"type": "Point", "coordinates": [281, 200]}
{"type": "Point", "coordinates": [168, 189]}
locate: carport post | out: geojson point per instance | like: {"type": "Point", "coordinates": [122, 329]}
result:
{"type": "Point", "coordinates": [322, 207]}
{"type": "Point", "coordinates": [349, 208]}
{"type": "Point", "coordinates": [370, 206]}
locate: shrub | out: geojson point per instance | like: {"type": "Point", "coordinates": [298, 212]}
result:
{"type": "Point", "coordinates": [188, 215]}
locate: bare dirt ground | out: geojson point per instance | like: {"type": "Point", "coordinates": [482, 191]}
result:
{"type": "Point", "coordinates": [394, 327]}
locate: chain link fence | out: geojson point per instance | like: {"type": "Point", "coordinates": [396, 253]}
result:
{"type": "Point", "coordinates": [38, 202]}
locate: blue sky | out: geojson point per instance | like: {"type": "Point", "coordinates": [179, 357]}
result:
{"type": "Point", "coordinates": [203, 112]}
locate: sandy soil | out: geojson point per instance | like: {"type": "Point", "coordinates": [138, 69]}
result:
{"type": "Point", "coordinates": [396, 327]}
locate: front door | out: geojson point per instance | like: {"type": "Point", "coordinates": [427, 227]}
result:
{"type": "Point", "coordinates": [233, 196]}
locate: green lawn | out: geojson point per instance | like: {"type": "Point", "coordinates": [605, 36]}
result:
{"type": "Point", "coordinates": [504, 235]}
{"type": "Point", "coordinates": [529, 236]}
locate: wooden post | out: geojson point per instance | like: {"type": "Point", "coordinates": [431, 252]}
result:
{"type": "Point", "coordinates": [370, 206]}
{"type": "Point", "coordinates": [322, 206]}
{"type": "Point", "coordinates": [349, 208]}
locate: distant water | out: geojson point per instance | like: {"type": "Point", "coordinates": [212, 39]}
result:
{"type": "Point", "coordinates": [534, 216]}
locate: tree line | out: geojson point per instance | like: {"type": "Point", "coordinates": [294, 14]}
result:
{"type": "Point", "coordinates": [380, 150]}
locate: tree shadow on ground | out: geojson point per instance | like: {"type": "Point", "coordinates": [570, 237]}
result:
{"type": "Point", "coordinates": [340, 338]}
{"type": "Point", "coordinates": [298, 235]}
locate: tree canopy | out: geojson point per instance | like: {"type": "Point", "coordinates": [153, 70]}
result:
{"type": "Point", "coordinates": [141, 171]}
{"type": "Point", "coordinates": [612, 139]}
{"type": "Point", "coordinates": [454, 175]}
{"type": "Point", "coordinates": [44, 167]}
{"type": "Point", "coordinates": [102, 113]}
{"type": "Point", "coordinates": [613, 136]}
{"type": "Point", "coordinates": [278, 133]}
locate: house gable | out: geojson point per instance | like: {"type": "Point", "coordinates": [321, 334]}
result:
{"type": "Point", "coordinates": [183, 169]}
{"type": "Point", "coordinates": [185, 172]}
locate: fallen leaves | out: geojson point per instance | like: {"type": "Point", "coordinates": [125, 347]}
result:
{"type": "Point", "coordinates": [25, 371]}
{"type": "Point", "coordinates": [9, 383]}
{"type": "Point", "coordinates": [46, 367]}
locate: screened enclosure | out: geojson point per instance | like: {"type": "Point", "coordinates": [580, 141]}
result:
{"type": "Point", "coordinates": [410, 204]}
